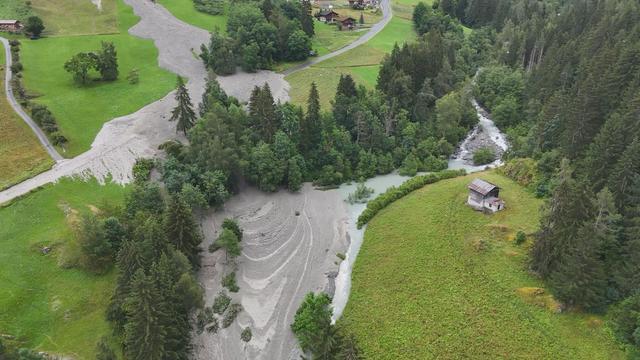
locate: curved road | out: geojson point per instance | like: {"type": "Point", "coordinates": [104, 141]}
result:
{"type": "Point", "coordinates": [385, 5]}
{"type": "Point", "coordinates": [18, 109]}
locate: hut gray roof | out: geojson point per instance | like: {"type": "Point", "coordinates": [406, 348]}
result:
{"type": "Point", "coordinates": [481, 186]}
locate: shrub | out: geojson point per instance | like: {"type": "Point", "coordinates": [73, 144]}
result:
{"type": "Point", "coordinates": [221, 303]}
{"type": "Point", "coordinates": [16, 67]}
{"type": "Point", "coordinates": [232, 313]}
{"type": "Point", "coordinates": [142, 170]}
{"type": "Point", "coordinates": [520, 238]}
{"type": "Point", "coordinates": [524, 171]}
{"type": "Point", "coordinates": [394, 193]}
{"type": "Point", "coordinates": [483, 156]}
{"type": "Point", "coordinates": [212, 7]}
{"type": "Point", "coordinates": [203, 318]}
{"type": "Point", "coordinates": [230, 283]}
{"type": "Point", "coordinates": [360, 195]}
{"type": "Point", "coordinates": [58, 139]}
{"type": "Point", "coordinates": [246, 335]}
{"type": "Point", "coordinates": [14, 43]}
{"type": "Point", "coordinates": [232, 225]}
{"type": "Point", "coordinates": [133, 77]}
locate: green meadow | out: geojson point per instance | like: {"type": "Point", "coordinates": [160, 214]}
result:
{"type": "Point", "coordinates": [185, 11]}
{"type": "Point", "coordinates": [82, 110]}
{"type": "Point", "coordinates": [54, 308]}
{"type": "Point", "coordinates": [436, 279]}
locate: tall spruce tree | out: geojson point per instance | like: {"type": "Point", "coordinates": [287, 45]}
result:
{"type": "Point", "coordinates": [624, 172]}
{"type": "Point", "coordinates": [183, 113]}
{"type": "Point", "coordinates": [564, 215]}
{"type": "Point", "coordinates": [262, 112]}
{"type": "Point", "coordinates": [310, 128]}
{"type": "Point", "coordinates": [145, 335]}
{"type": "Point", "coordinates": [182, 230]}
{"type": "Point", "coordinates": [306, 20]}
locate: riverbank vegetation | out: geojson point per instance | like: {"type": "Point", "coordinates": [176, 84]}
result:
{"type": "Point", "coordinates": [21, 155]}
{"type": "Point", "coordinates": [186, 11]}
{"type": "Point", "coordinates": [468, 282]}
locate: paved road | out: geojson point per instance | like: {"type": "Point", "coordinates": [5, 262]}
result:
{"type": "Point", "coordinates": [385, 5]}
{"type": "Point", "coordinates": [18, 109]}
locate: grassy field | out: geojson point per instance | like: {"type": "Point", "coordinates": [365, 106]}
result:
{"type": "Point", "coordinates": [14, 9]}
{"type": "Point", "coordinates": [81, 111]}
{"type": "Point", "coordinates": [21, 155]}
{"type": "Point", "coordinates": [362, 63]}
{"type": "Point", "coordinates": [76, 17]}
{"type": "Point", "coordinates": [184, 10]}
{"type": "Point", "coordinates": [44, 305]}
{"type": "Point", "coordinates": [435, 279]}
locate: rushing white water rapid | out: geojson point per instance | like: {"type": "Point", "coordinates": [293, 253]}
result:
{"type": "Point", "coordinates": [486, 129]}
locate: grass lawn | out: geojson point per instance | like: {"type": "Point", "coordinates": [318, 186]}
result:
{"type": "Point", "coordinates": [81, 111]}
{"type": "Point", "coordinates": [423, 287]}
{"type": "Point", "coordinates": [76, 17]}
{"type": "Point", "coordinates": [21, 155]}
{"type": "Point", "coordinates": [43, 305]}
{"type": "Point", "coordinates": [184, 10]}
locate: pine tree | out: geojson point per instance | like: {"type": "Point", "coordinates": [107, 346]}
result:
{"type": "Point", "coordinates": [310, 128]}
{"type": "Point", "coordinates": [266, 8]}
{"type": "Point", "coordinates": [262, 112]}
{"type": "Point", "coordinates": [182, 230]}
{"type": "Point", "coordinates": [145, 335]}
{"type": "Point", "coordinates": [564, 215]}
{"type": "Point", "coordinates": [306, 20]}
{"type": "Point", "coordinates": [346, 86]}
{"type": "Point", "coordinates": [108, 62]}
{"type": "Point", "coordinates": [213, 93]}
{"type": "Point", "coordinates": [624, 172]}
{"type": "Point", "coordinates": [605, 150]}
{"type": "Point", "coordinates": [183, 112]}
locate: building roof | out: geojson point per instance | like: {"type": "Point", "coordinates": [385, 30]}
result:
{"type": "Point", "coordinates": [325, 12]}
{"type": "Point", "coordinates": [343, 19]}
{"type": "Point", "coordinates": [481, 186]}
{"type": "Point", "coordinates": [9, 22]}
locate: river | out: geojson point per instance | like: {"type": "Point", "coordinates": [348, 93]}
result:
{"type": "Point", "coordinates": [483, 132]}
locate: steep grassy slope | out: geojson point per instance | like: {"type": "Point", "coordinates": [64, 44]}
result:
{"type": "Point", "coordinates": [435, 279]}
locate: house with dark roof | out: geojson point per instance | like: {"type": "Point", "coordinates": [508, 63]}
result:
{"type": "Point", "coordinates": [484, 196]}
{"type": "Point", "coordinates": [327, 15]}
{"type": "Point", "coordinates": [346, 23]}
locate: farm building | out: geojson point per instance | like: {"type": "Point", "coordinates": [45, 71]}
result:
{"type": "Point", "coordinates": [10, 25]}
{"type": "Point", "coordinates": [346, 23]}
{"type": "Point", "coordinates": [484, 196]}
{"type": "Point", "coordinates": [327, 15]}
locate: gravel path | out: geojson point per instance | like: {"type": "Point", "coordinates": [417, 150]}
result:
{"type": "Point", "coordinates": [284, 257]}
{"type": "Point", "coordinates": [122, 140]}
{"type": "Point", "coordinates": [18, 109]}
{"type": "Point", "coordinates": [385, 5]}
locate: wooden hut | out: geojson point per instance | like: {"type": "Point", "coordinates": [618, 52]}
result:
{"type": "Point", "coordinates": [484, 196]}
{"type": "Point", "coordinates": [347, 23]}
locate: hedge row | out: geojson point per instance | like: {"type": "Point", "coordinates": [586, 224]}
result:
{"type": "Point", "coordinates": [394, 193]}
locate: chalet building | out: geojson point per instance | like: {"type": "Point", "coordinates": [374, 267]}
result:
{"type": "Point", "coordinates": [10, 25]}
{"type": "Point", "coordinates": [483, 196]}
{"type": "Point", "coordinates": [346, 23]}
{"type": "Point", "coordinates": [327, 15]}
